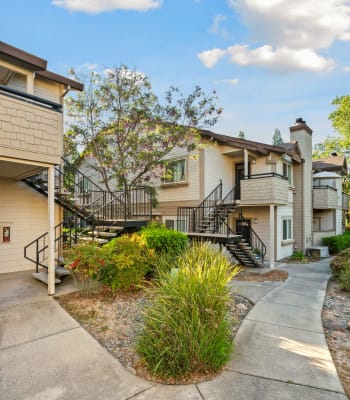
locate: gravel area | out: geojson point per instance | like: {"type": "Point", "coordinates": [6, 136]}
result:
{"type": "Point", "coordinates": [271, 276]}
{"type": "Point", "coordinates": [115, 322]}
{"type": "Point", "coordinates": [336, 324]}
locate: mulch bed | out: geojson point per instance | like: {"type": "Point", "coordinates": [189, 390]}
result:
{"type": "Point", "coordinates": [274, 275]}
{"type": "Point", "coordinates": [115, 321]}
{"type": "Point", "coordinates": [336, 320]}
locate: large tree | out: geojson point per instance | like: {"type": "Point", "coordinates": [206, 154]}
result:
{"type": "Point", "coordinates": [341, 116]}
{"type": "Point", "coordinates": [120, 124]}
{"type": "Point", "coordinates": [328, 146]}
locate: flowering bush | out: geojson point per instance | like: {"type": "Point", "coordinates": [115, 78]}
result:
{"type": "Point", "coordinates": [84, 262]}
{"type": "Point", "coordinates": [127, 262]}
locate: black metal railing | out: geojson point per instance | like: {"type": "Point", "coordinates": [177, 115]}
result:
{"type": "Point", "coordinates": [133, 202]}
{"type": "Point", "coordinates": [267, 175]}
{"type": "Point", "coordinates": [252, 238]}
{"type": "Point", "coordinates": [191, 219]}
{"type": "Point", "coordinates": [325, 187]}
{"type": "Point", "coordinates": [77, 193]}
{"type": "Point", "coordinates": [36, 251]}
{"type": "Point", "coordinates": [29, 98]}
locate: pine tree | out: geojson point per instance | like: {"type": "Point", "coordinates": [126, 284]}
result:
{"type": "Point", "coordinates": [277, 138]}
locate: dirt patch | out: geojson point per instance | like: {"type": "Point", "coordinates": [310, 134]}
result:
{"type": "Point", "coordinates": [116, 321]}
{"type": "Point", "coordinates": [274, 275]}
{"type": "Point", "coordinates": [335, 318]}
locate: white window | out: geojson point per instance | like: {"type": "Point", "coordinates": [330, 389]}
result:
{"type": "Point", "coordinates": [175, 171]}
{"type": "Point", "coordinates": [287, 228]}
{"type": "Point", "coordinates": [179, 225]}
{"type": "Point", "coordinates": [287, 172]}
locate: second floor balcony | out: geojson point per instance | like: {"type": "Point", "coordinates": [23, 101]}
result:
{"type": "Point", "coordinates": [345, 201]}
{"type": "Point", "coordinates": [31, 128]}
{"type": "Point", "coordinates": [324, 197]}
{"type": "Point", "coordinates": [263, 189]}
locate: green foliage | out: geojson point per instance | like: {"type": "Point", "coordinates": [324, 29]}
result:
{"type": "Point", "coordinates": [277, 138]}
{"type": "Point", "coordinates": [121, 124]}
{"type": "Point", "coordinates": [337, 243]}
{"type": "Point", "coordinates": [341, 261]}
{"type": "Point", "coordinates": [330, 144]}
{"type": "Point", "coordinates": [341, 116]}
{"type": "Point", "coordinates": [84, 261]}
{"type": "Point", "coordinates": [298, 256]}
{"type": "Point", "coordinates": [344, 278]}
{"type": "Point", "coordinates": [127, 262]}
{"type": "Point", "coordinates": [185, 326]}
{"type": "Point", "coordinates": [163, 240]}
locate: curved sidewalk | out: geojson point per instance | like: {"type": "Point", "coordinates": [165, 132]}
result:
{"type": "Point", "coordinates": [281, 352]}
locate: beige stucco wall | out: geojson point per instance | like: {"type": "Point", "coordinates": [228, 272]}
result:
{"type": "Point", "coordinates": [26, 212]}
{"type": "Point", "coordinates": [30, 132]}
{"type": "Point", "coordinates": [186, 191]}
{"type": "Point", "coordinates": [262, 228]}
{"type": "Point", "coordinates": [217, 166]}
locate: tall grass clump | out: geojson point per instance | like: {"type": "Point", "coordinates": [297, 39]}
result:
{"type": "Point", "coordinates": [186, 328]}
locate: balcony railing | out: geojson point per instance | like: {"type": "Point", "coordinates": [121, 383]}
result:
{"type": "Point", "coordinates": [31, 127]}
{"type": "Point", "coordinates": [345, 201]}
{"type": "Point", "coordinates": [29, 98]}
{"type": "Point", "coordinates": [266, 188]}
{"type": "Point", "coordinates": [325, 197]}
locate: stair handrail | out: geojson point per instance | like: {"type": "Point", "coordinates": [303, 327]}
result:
{"type": "Point", "coordinates": [215, 195]}
{"type": "Point", "coordinates": [230, 197]}
{"type": "Point", "coordinates": [39, 262]}
{"type": "Point", "coordinates": [257, 244]}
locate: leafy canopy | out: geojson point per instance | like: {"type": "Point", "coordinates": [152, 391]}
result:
{"type": "Point", "coordinates": [125, 130]}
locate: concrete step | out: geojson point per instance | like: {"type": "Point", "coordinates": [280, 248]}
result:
{"type": "Point", "coordinates": [43, 277]}
{"type": "Point", "coordinates": [89, 239]}
{"type": "Point", "coordinates": [61, 271]}
{"type": "Point", "coordinates": [102, 234]}
{"type": "Point", "coordinates": [109, 228]}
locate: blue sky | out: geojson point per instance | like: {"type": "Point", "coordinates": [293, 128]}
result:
{"type": "Point", "coordinates": [270, 61]}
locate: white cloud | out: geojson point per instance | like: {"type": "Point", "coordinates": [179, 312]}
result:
{"type": "Point", "coordinates": [216, 27]}
{"type": "Point", "coordinates": [288, 35]}
{"type": "Point", "coordinates": [232, 82]}
{"type": "Point", "coordinates": [299, 23]}
{"type": "Point", "coordinates": [282, 58]}
{"type": "Point", "coordinates": [210, 57]}
{"type": "Point", "coordinates": [98, 6]}
{"type": "Point", "coordinates": [346, 69]}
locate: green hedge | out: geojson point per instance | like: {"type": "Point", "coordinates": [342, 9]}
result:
{"type": "Point", "coordinates": [337, 243]}
{"type": "Point", "coordinates": [163, 240]}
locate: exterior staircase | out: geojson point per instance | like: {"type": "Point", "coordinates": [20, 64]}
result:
{"type": "Point", "coordinates": [209, 221]}
{"type": "Point", "coordinates": [90, 213]}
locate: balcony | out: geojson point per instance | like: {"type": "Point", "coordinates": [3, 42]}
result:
{"type": "Point", "coordinates": [325, 197]}
{"type": "Point", "coordinates": [263, 189]}
{"type": "Point", "coordinates": [345, 201]}
{"type": "Point", "coordinates": [30, 127]}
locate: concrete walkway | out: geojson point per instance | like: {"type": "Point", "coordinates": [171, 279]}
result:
{"type": "Point", "coordinates": [281, 352]}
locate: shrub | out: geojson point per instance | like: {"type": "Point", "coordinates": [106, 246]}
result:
{"type": "Point", "coordinates": [185, 326]}
{"type": "Point", "coordinates": [344, 278]}
{"type": "Point", "coordinates": [298, 256]}
{"type": "Point", "coordinates": [339, 262]}
{"type": "Point", "coordinates": [127, 261]}
{"type": "Point", "coordinates": [84, 261]}
{"type": "Point", "coordinates": [163, 240]}
{"type": "Point", "coordinates": [337, 243]}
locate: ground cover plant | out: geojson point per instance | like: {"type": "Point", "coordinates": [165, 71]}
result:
{"type": "Point", "coordinates": [185, 328]}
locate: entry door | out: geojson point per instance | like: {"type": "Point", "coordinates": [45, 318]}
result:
{"type": "Point", "coordinates": [243, 228]}
{"type": "Point", "coordinates": [239, 175]}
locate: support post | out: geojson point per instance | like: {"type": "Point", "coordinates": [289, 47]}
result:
{"type": "Point", "coordinates": [51, 230]}
{"type": "Point", "coordinates": [272, 236]}
{"type": "Point", "coordinates": [246, 164]}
